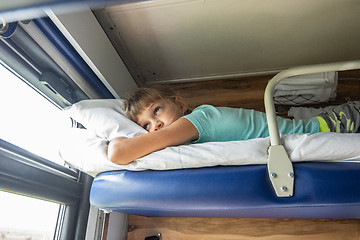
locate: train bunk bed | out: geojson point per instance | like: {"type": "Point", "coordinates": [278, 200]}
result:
{"type": "Point", "coordinates": [293, 176]}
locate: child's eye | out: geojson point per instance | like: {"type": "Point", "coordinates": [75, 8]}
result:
{"type": "Point", "coordinates": [146, 126]}
{"type": "Point", "coordinates": [157, 110]}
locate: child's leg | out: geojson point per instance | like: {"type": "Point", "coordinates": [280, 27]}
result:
{"type": "Point", "coordinates": [344, 118]}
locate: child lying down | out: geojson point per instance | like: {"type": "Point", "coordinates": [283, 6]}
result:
{"type": "Point", "coordinates": [170, 122]}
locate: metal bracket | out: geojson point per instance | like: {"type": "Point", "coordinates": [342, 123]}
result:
{"type": "Point", "coordinates": [281, 171]}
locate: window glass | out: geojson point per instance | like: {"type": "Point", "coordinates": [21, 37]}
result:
{"type": "Point", "coordinates": [29, 120]}
{"type": "Point", "coordinates": [26, 218]}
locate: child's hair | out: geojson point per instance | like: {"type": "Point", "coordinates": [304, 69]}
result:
{"type": "Point", "coordinates": [143, 97]}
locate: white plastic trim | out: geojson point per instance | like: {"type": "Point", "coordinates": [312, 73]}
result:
{"type": "Point", "coordinates": [58, 58]}
{"type": "Point", "coordinates": [84, 32]}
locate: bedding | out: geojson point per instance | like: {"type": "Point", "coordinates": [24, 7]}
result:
{"type": "Point", "coordinates": [104, 120]}
{"type": "Point", "coordinates": [306, 89]}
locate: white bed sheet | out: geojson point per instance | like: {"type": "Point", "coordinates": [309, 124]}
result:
{"type": "Point", "coordinates": [87, 152]}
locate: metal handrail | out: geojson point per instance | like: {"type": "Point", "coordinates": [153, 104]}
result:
{"type": "Point", "coordinates": [280, 168]}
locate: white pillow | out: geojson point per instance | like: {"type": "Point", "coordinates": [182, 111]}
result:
{"type": "Point", "coordinates": [104, 117]}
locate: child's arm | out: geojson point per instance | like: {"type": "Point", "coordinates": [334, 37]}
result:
{"type": "Point", "coordinates": [125, 150]}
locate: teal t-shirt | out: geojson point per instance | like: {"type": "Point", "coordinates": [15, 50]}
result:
{"type": "Point", "coordinates": [219, 124]}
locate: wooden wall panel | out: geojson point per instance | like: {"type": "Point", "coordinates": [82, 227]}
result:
{"type": "Point", "coordinates": [248, 92]}
{"type": "Point", "coordinates": [241, 229]}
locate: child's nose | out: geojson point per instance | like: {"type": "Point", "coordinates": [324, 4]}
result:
{"type": "Point", "coordinates": [158, 125]}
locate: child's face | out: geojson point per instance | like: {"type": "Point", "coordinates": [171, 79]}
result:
{"type": "Point", "coordinates": [160, 114]}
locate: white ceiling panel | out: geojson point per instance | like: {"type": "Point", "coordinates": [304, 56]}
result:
{"type": "Point", "coordinates": [174, 40]}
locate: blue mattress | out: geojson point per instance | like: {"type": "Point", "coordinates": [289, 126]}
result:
{"type": "Point", "coordinates": [322, 190]}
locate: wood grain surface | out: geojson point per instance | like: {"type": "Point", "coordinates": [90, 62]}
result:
{"type": "Point", "coordinates": [236, 228]}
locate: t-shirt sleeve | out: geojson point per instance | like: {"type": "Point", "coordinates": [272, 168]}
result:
{"type": "Point", "coordinates": [219, 124]}
{"type": "Point", "coordinates": [201, 119]}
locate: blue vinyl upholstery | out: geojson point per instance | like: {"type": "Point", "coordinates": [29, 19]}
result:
{"type": "Point", "coordinates": [322, 190]}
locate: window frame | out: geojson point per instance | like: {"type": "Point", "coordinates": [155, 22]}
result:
{"type": "Point", "coordinates": [25, 173]}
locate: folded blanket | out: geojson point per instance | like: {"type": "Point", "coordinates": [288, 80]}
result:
{"type": "Point", "coordinates": [87, 152]}
{"type": "Point", "coordinates": [306, 89]}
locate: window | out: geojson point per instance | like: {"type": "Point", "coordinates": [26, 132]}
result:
{"type": "Point", "coordinates": [29, 120]}
{"type": "Point", "coordinates": [32, 122]}
{"type": "Point", "coordinates": [33, 89]}
{"type": "Point", "coordinates": [27, 218]}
